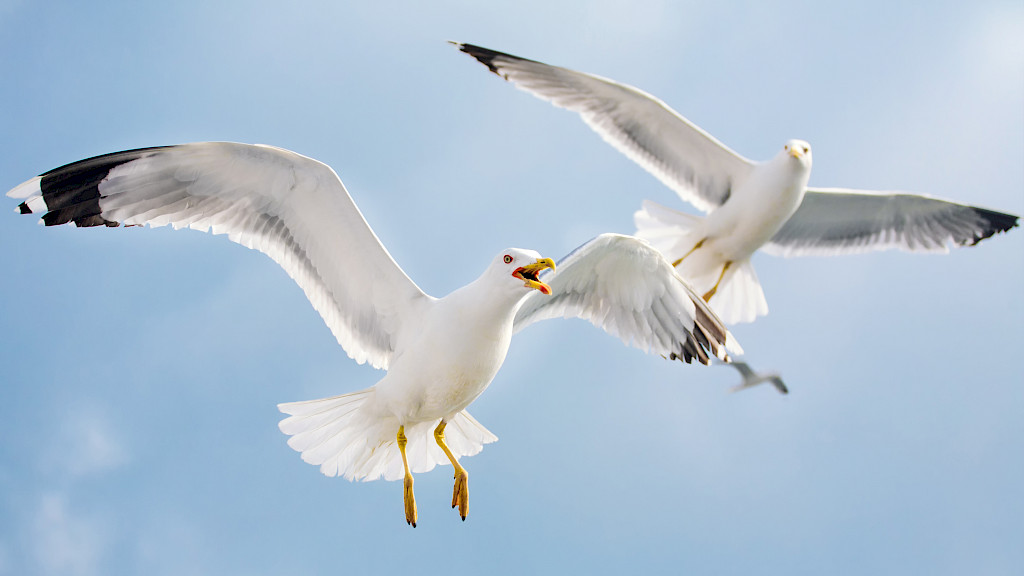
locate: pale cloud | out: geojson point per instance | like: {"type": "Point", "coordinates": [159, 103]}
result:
{"type": "Point", "coordinates": [86, 444]}
{"type": "Point", "coordinates": [58, 539]}
{"type": "Point", "coordinates": [989, 63]}
{"type": "Point", "coordinates": [633, 18]}
{"type": "Point", "coordinates": [990, 57]}
{"type": "Point", "coordinates": [98, 448]}
{"type": "Point", "coordinates": [62, 542]}
{"type": "Point", "coordinates": [999, 35]}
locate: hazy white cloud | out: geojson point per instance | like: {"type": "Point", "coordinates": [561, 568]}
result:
{"type": "Point", "coordinates": [98, 448]}
{"type": "Point", "coordinates": [86, 444]}
{"type": "Point", "coordinates": [58, 539]}
{"type": "Point", "coordinates": [62, 542]}
{"type": "Point", "coordinates": [633, 19]}
{"type": "Point", "coordinates": [999, 35]}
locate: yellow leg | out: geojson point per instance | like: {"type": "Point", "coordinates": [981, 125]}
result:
{"type": "Point", "coordinates": [460, 495]}
{"type": "Point", "coordinates": [680, 261]}
{"type": "Point", "coordinates": [410, 500]}
{"type": "Point", "coordinates": [710, 293]}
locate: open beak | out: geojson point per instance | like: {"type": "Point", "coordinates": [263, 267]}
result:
{"type": "Point", "coordinates": [528, 274]}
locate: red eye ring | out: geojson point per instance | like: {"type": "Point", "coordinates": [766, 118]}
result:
{"type": "Point", "coordinates": [508, 259]}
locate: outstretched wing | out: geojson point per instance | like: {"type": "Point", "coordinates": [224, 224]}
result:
{"type": "Point", "coordinates": [839, 221]}
{"type": "Point", "coordinates": [627, 288]}
{"type": "Point", "coordinates": [290, 207]}
{"type": "Point", "coordinates": [685, 158]}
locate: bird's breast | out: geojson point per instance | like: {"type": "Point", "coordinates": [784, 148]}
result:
{"type": "Point", "coordinates": [758, 208]}
{"type": "Point", "coordinates": [447, 368]}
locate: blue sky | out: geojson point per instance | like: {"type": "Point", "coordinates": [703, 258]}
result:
{"type": "Point", "coordinates": [140, 369]}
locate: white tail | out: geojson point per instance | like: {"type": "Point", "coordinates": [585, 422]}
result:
{"type": "Point", "coordinates": [346, 436]}
{"type": "Point", "coordinates": [739, 297]}
{"type": "Point", "coordinates": [667, 230]}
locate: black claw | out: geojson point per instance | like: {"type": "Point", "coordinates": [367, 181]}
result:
{"type": "Point", "coordinates": [463, 518]}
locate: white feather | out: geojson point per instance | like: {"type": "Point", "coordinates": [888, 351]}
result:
{"type": "Point", "coordinates": [627, 288]}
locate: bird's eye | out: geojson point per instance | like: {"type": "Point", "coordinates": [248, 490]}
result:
{"type": "Point", "coordinates": [806, 149]}
{"type": "Point", "coordinates": [508, 259]}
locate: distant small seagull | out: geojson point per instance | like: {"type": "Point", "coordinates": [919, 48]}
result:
{"type": "Point", "coordinates": [750, 205]}
{"type": "Point", "coordinates": [751, 378]}
{"type": "Point", "coordinates": [440, 353]}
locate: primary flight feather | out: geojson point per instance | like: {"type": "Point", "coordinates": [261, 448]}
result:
{"type": "Point", "coordinates": [440, 353]}
{"type": "Point", "coordinates": [750, 205]}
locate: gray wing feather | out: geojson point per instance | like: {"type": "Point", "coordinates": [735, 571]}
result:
{"type": "Point", "coordinates": [685, 158]}
{"type": "Point", "coordinates": [627, 288]}
{"type": "Point", "coordinates": [839, 221]}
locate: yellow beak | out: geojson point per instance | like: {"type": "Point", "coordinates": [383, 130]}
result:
{"type": "Point", "coordinates": [528, 274]}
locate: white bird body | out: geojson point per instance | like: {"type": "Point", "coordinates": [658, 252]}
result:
{"type": "Point", "coordinates": [433, 379]}
{"type": "Point", "coordinates": [735, 230]}
{"type": "Point", "coordinates": [758, 205]}
{"type": "Point", "coordinates": [448, 358]}
{"type": "Point", "coordinates": [750, 205]}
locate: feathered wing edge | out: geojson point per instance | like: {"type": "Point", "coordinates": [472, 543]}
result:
{"type": "Point", "coordinates": [345, 437]}
{"type": "Point", "coordinates": [691, 162]}
{"type": "Point", "coordinates": [832, 221]}
{"type": "Point", "coordinates": [288, 206]}
{"type": "Point", "coordinates": [627, 288]}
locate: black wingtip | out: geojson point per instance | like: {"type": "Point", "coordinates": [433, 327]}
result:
{"type": "Point", "coordinates": [71, 192]}
{"type": "Point", "coordinates": [995, 222]}
{"type": "Point", "coordinates": [23, 207]}
{"type": "Point", "coordinates": [488, 57]}
{"type": "Point", "coordinates": [483, 55]}
{"type": "Point", "coordinates": [708, 335]}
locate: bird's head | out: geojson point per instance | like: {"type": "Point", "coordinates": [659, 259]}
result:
{"type": "Point", "coordinates": [523, 265]}
{"type": "Point", "coordinates": [799, 150]}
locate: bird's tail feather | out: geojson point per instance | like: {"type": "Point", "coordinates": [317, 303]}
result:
{"type": "Point", "coordinates": [739, 297]}
{"type": "Point", "coordinates": [346, 436]}
{"type": "Point", "coordinates": [664, 228]}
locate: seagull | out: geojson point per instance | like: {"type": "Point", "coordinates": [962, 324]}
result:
{"type": "Point", "coordinates": [439, 354]}
{"type": "Point", "coordinates": [749, 205]}
{"type": "Point", "coordinates": [751, 378]}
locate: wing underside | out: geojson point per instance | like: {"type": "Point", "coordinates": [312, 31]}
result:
{"type": "Point", "coordinates": [685, 158]}
{"type": "Point", "coordinates": [627, 288]}
{"type": "Point", "coordinates": [290, 207]}
{"type": "Point", "coordinates": [839, 221]}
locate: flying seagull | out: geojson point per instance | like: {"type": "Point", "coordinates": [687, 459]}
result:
{"type": "Point", "coordinates": [439, 353]}
{"type": "Point", "coordinates": [751, 378]}
{"type": "Point", "coordinates": [750, 205]}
